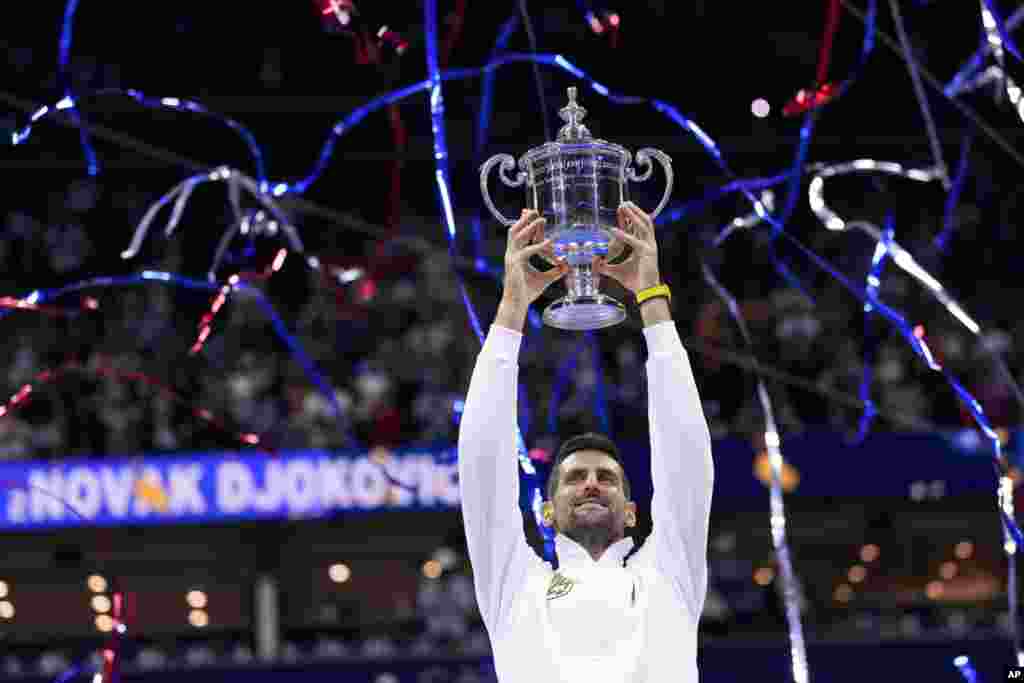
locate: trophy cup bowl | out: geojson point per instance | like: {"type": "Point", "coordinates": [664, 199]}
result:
{"type": "Point", "coordinates": [577, 184]}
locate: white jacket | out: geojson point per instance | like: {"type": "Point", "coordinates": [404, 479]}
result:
{"type": "Point", "coordinates": [589, 622]}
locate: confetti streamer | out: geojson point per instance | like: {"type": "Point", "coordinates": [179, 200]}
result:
{"type": "Point", "coordinates": [24, 394]}
{"type": "Point", "coordinates": [1011, 532]}
{"type": "Point", "coordinates": [937, 85]}
{"type": "Point", "coordinates": [480, 263]}
{"type": "Point", "coordinates": [993, 21]}
{"type": "Point", "coordinates": [175, 280]}
{"type": "Point", "coordinates": [997, 39]}
{"type": "Point", "coordinates": [825, 52]}
{"type": "Point", "coordinates": [772, 442]}
{"type": "Point", "coordinates": [800, 157]}
{"type": "Point", "coordinates": [816, 188]}
{"type": "Point", "coordinates": [435, 76]}
{"type": "Point", "coordinates": [823, 91]}
{"type": "Point", "coordinates": [953, 197]}
{"type": "Point", "coordinates": [676, 213]}
{"type": "Point", "coordinates": [871, 337]}
{"type": "Point", "coordinates": [745, 222]}
{"type": "Point", "coordinates": [458, 20]}
{"type": "Point", "coordinates": [237, 182]}
{"type": "Point", "coordinates": [111, 653]}
{"type": "Point", "coordinates": [446, 201]}
{"type": "Point", "coordinates": [221, 298]}
{"type": "Point", "coordinates": [960, 82]}
{"type": "Point", "coordinates": [278, 189]}
{"type": "Point", "coordinates": [9, 302]}
{"type": "Point", "coordinates": [966, 669]}
{"type": "Point", "coordinates": [1013, 537]}
{"type": "Point", "coordinates": [92, 166]}
{"type": "Point", "coordinates": [905, 261]}
{"type": "Point", "coordinates": [70, 104]}
{"type": "Point", "coordinates": [922, 97]}
{"type": "Point", "coordinates": [537, 80]}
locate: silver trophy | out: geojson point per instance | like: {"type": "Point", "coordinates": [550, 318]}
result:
{"type": "Point", "coordinates": [578, 184]}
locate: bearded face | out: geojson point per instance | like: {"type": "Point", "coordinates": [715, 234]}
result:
{"type": "Point", "coordinates": [590, 503]}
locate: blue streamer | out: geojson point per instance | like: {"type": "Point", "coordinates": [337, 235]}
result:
{"type": "Point", "coordinates": [807, 128]}
{"type": "Point", "coordinates": [75, 670]}
{"type": "Point", "coordinates": [800, 158]}
{"type": "Point", "coordinates": [538, 82]}
{"type": "Point", "coordinates": [920, 95]}
{"type": "Point", "coordinates": [677, 212]}
{"type": "Point", "coordinates": [480, 263]}
{"type": "Point", "coordinates": [483, 128]}
{"type": "Point", "coordinates": [1011, 530]}
{"type": "Point", "coordinates": [1004, 35]}
{"type": "Point", "coordinates": [70, 103]}
{"type": "Point", "coordinates": [447, 205]}
{"type": "Point", "coordinates": [798, 650]}
{"type": "Point", "coordinates": [953, 197]}
{"type": "Point", "coordinates": [872, 338]}
{"type": "Point", "coordinates": [975, 62]}
{"type": "Point", "coordinates": [92, 165]}
{"type": "Point", "coordinates": [962, 78]}
{"type": "Point", "coordinates": [355, 117]}
{"type": "Point", "coordinates": [966, 669]}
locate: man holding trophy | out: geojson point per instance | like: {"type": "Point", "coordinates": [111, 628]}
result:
{"type": "Point", "coordinates": [596, 616]}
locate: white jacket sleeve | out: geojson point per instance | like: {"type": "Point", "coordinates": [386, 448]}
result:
{"type": "Point", "coordinates": [682, 470]}
{"type": "Point", "coordinates": [489, 478]}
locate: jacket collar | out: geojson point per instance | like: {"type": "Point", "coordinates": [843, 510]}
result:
{"type": "Point", "coordinates": [572, 554]}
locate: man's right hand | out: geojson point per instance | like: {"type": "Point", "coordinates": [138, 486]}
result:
{"type": "Point", "coordinates": [523, 283]}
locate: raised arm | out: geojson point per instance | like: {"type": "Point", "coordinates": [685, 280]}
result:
{"type": "Point", "coordinates": [682, 470]}
{"type": "Point", "coordinates": [681, 467]}
{"type": "Point", "coordinates": [488, 464]}
{"type": "Point", "coordinates": [489, 477]}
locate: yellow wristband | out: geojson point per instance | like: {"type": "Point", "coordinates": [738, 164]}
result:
{"type": "Point", "coordinates": [653, 292]}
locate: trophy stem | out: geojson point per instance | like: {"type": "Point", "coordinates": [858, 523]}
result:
{"type": "Point", "coordinates": [582, 281]}
{"type": "Point", "coordinates": [584, 307]}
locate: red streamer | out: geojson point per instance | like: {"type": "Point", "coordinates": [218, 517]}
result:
{"type": "Point", "coordinates": [221, 298]}
{"type": "Point", "coordinates": [88, 304]}
{"type": "Point", "coordinates": [823, 91]}
{"type": "Point", "coordinates": [24, 394]}
{"type": "Point", "coordinates": [825, 53]}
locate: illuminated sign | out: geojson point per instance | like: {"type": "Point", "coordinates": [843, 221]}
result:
{"type": "Point", "coordinates": [212, 487]}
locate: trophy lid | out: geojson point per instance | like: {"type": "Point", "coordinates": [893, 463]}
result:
{"type": "Point", "coordinates": [573, 114]}
{"type": "Point", "coordinates": [575, 137]}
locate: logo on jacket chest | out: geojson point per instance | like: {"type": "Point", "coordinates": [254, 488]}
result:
{"type": "Point", "coordinates": [560, 586]}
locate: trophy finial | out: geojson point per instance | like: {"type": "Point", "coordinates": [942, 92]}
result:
{"type": "Point", "coordinates": [573, 114]}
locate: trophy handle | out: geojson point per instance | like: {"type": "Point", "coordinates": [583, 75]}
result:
{"type": "Point", "coordinates": [643, 160]}
{"type": "Point", "coordinates": [507, 164]}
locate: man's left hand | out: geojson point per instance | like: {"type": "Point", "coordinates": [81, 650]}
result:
{"type": "Point", "coordinates": [640, 270]}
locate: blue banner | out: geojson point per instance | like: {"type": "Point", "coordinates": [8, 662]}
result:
{"type": "Point", "coordinates": [225, 486]}
{"type": "Point", "coordinates": [219, 487]}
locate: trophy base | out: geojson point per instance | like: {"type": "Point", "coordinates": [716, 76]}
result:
{"type": "Point", "coordinates": [588, 312]}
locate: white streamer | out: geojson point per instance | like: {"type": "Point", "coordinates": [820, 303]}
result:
{"type": "Point", "coordinates": [237, 182]}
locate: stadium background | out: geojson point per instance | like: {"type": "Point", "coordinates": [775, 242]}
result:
{"type": "Point", "coordinates": [895, 538]}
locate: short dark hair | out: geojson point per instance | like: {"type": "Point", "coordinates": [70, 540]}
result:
{"type": "Point", "coordinates": [590, 441]}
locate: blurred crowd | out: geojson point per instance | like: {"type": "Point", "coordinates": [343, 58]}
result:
{"type": "Point", "coordinates": [389, 356]}
{"type": "Point", "coordinates": [441, 631]}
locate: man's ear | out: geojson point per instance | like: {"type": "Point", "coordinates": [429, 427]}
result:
{"type": "Point", "coordinates": [630, 514]}
{"type": "Point", "coordinates": [548, 512]}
